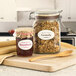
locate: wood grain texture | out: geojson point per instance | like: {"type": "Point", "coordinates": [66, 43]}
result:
{"type": "Point", "coordinates": [48, 64]}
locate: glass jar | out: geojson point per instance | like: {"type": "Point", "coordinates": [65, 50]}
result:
{"type": "Point", "coordinates": [47, 32]}
{"type": "Point", "coordinates": [24, 41]}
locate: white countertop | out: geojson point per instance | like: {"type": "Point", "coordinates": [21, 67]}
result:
{"type": "Point", "coordinates": [12, 71]}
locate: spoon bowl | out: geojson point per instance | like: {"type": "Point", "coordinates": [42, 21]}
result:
{"type": "Point", "coordinates": [65, 53]}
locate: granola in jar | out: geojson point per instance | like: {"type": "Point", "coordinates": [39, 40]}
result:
{"type": "Point", "coordinates": [47, 33]}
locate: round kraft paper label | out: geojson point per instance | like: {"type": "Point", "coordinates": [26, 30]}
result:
{"type": "Point", "coordinates": [25, 44]}
{"type": "Point", "coordinates": [46, 34]}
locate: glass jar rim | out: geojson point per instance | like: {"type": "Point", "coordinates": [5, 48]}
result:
{"type": "Point", "coordinates": [47, 14]}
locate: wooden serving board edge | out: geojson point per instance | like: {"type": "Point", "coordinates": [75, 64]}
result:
{"type": "Point", "coordinates": [62, 67]}
{"type": "Point", "coordinates": [38, 66]}
{"type": "Point", "coordinates": [35, 66]}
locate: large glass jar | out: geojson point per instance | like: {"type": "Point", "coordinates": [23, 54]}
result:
{"type": "Point", "coordinates": [47, 32]}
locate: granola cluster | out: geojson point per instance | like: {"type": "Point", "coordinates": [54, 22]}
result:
{"type": "Point", "coordinates": [46, 46]}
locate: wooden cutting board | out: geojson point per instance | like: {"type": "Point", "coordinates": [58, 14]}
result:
{"type": "Point", "coordinates": [48, 64]}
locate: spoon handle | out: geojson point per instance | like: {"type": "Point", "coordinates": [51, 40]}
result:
{"type": "Point", "coordinates": [61, 54]}
{"type": "Point", "coordinates": [40, 57]}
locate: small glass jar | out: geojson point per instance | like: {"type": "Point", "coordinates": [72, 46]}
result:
{"type": "Point", "coordinates": [47, 32]}
{"type": "Point", "coordinates": [24, 41]}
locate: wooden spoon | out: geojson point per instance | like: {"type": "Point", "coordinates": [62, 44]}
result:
{"type": "Point", "coordinates": [61, 54]}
